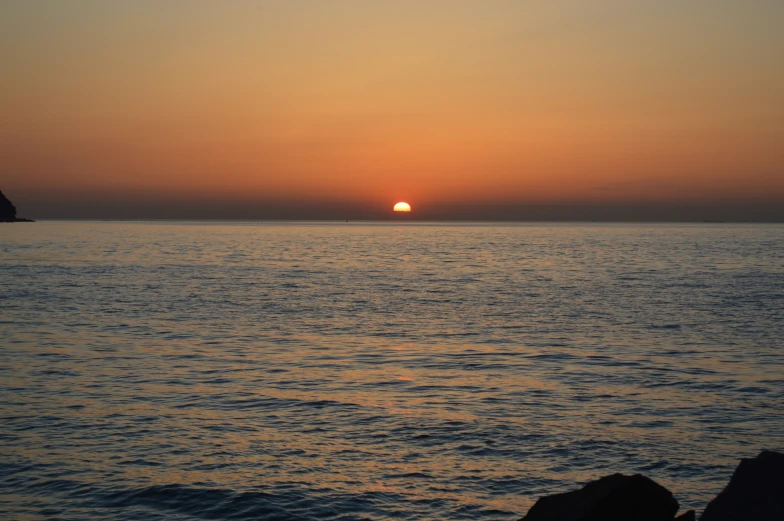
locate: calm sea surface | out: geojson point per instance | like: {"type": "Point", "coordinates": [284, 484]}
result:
{"type": "Point", "coordinates": [378, 371]}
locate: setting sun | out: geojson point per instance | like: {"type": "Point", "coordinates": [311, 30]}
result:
{"type": "Point", "coordinates": [209, 183]}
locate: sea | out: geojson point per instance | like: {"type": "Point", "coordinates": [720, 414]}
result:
{"type": "Point", "coordinates": [379, 371]}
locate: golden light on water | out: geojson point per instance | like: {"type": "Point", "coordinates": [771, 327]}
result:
{"type": "Point", "coordinates": [402, 207]}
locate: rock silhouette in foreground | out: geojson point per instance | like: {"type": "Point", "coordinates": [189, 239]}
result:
{"type": "Point", "coordinates": [755, 491]}
{"type": "Point", "coordinates": [611, 498]}
{"type": "Point", "coordinates": [8, 211]}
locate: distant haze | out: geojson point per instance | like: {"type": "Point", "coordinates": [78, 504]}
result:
{"type": "Point", "coordinates": [491, 110]}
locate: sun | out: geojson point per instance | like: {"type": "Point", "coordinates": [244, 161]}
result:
{"type": "Point", "coordinates": [402, 207]}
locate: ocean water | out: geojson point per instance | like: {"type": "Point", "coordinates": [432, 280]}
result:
{"type": "Point", "coordinates": [346, 371]}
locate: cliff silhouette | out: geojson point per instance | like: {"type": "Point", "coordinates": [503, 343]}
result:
{"type": "Point", "coordinates": [8, 211]}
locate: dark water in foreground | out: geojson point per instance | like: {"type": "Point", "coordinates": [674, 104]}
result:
{"type": "Point", "coordinates": [350, 371]}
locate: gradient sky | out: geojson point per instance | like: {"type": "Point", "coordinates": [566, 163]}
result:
{"type": "Point", "coordinates": [333, 108]}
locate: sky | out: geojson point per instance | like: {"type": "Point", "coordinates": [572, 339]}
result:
{"type": "Point", "coordinates": [482, 109]}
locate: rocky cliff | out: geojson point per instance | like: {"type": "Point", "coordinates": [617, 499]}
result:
{"type": "Point", "coordinates": [8, 211]}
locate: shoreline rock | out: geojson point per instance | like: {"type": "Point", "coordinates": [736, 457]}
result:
{"type": "Point", "coordinates": [755, 492]}
{"type": "Point", "coordinates": [611, 498]}
{"type": "Point", "coordinates": [8, 211]}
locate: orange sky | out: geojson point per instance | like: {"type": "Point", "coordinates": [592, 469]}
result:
{"type": "Point", "coordinates": [496, 102]}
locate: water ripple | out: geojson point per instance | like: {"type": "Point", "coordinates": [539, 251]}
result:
{"type": "Point", "coordinates": [310, 371]}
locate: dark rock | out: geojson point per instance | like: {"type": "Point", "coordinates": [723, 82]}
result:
{"type": "Point", "coordinates": [755, 491]}
{"type": "Point", "coordinates": [689, 515]}
{"type": "Point", "coordinates": [611, 498]}
{"type": "Point", "coordinates": [8, 211]}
